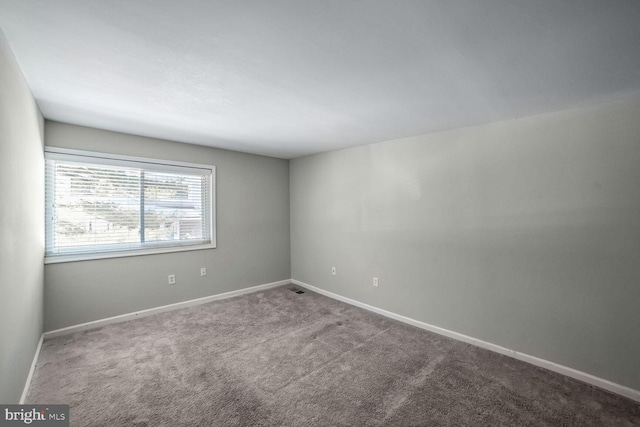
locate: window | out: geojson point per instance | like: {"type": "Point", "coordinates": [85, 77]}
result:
{"type": "Point", "coordinates": [103, 206]}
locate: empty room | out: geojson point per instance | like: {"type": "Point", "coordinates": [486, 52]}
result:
{"type": "Point", "coordinates": [320, 213]}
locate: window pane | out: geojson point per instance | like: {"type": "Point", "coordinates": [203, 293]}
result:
{"type": "Point", "coordinates": [173, 207]}
{"type": "Point", "coordinates": [95, 205]}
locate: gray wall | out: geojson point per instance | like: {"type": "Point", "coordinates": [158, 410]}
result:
{"type": "Point", "coordinates": [252, 236]}
{"type": "Point", "coordinates": [524, 233]}
{"type": "Point", "coordinates": [21, 226]}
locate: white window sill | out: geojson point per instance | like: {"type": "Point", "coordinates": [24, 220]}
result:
{"type": "Point", "coordinates": [137, 252]}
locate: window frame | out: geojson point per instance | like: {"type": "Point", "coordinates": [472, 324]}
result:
{"type": "Point", "coordinates": [83, 156]}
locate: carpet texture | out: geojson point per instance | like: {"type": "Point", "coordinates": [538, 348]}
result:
{"type": "Point", "coordinates": [277, 358]}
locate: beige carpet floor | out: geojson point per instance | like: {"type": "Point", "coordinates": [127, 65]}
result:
{"type": "Point", "coordinates": [277, 358]}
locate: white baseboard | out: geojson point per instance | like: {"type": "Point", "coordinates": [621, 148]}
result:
{"type": "Point", "coordinates": [27, 383]}
{"type": "Point", "coordinates": [161, 309]}
{"type": "Point", "coordinates": [552, 366]}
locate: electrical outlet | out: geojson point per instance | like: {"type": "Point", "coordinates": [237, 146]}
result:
{"type": "Point", "coordinates": [375, 282]}
{"type": "Point", "coordinates": [333, 271]}
{"type": "Point", "coordinates": [203, 271]}
{"type": "Point", "coordinates": [172, 279]}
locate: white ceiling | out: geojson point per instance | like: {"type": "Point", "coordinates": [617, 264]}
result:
{"type": "Point", "coordinates": [294, 77]}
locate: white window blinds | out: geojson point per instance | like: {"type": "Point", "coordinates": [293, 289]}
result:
{"type": "Point", "coordinates": [99, 204]}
